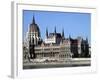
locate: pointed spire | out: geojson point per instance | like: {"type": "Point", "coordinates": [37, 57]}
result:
{"type": "Point", "coordinates": [63, 33]}
{"type": "Point", "coordinates": [33, 21]}
{"type": "Point", "coordinates": [47, 32]}
{"type": "Point", "coordinates": [55, 30]}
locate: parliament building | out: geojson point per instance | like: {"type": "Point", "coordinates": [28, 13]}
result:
{"type": "Point", "coordinates": [55, 46]}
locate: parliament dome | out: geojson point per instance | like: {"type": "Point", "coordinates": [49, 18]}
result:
{"type": "Point", "coordinates": [34, 27]}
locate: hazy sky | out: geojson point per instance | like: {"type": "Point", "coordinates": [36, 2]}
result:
{"type": "Point", "coordinates": [74, 24]}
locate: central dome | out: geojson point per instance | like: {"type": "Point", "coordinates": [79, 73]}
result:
{"type": "Point", "coordinates": [34, 28]}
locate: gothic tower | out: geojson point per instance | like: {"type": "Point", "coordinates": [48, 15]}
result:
{"type": "Point", "coordinates": [33, 37]}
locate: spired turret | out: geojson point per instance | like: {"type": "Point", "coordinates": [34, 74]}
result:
{"type": "Point", "coordinates": [55, 30]}
{"type": "Point", "coordinates": [46, 32]}
{"type": "Point", "coordinates": [63, 33]}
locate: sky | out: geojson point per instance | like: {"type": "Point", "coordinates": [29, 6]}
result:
{"type": "Point", "coordinates": [74, 24]}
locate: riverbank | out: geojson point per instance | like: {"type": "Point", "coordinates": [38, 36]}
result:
{"type": "Point", "coordinates": [71, 63]}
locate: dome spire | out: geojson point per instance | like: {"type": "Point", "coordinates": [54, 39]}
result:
{"type": "Point", "coordinates": [33, 21]}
